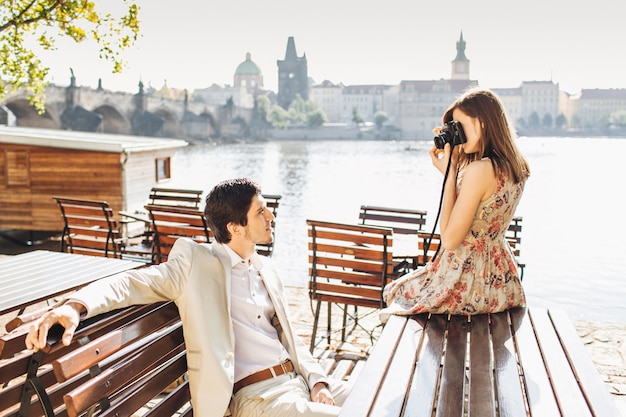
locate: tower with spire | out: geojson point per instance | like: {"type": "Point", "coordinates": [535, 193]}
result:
{"type": "Point", "coordinates": [293, 76]}
{"type": "Point", "coordinates": [460, 65]}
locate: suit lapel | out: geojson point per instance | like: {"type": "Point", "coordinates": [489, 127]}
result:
{"type": "Point", "coordinates": [224, 258]}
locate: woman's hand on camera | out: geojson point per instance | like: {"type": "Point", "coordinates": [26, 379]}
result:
{"type": "Point", "coordinates": [440, 157]}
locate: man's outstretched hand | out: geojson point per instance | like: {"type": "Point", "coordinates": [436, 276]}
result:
{"type": "Point", "coordinates": [67, 315]}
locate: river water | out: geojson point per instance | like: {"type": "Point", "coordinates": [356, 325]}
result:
{"type": "Point", "coordinates": [573, 209]}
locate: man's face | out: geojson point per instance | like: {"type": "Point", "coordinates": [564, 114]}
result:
{"type": "Point", "coordinates": [259, 228]}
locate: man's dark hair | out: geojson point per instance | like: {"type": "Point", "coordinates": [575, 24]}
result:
{"type": "Point", "coordinates": [229, 201]}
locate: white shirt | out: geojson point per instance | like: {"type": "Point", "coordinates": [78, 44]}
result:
{"type": "Point", "coordinates": [257, 346]}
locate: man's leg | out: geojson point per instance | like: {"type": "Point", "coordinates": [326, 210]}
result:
{"type": "Point", "coordinates": [285, 396]}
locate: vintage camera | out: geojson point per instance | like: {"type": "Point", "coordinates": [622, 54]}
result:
{"type": "Point", "coordinates": [452, 133]}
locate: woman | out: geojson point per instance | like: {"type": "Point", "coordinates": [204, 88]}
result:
{"type": "Point", "coordinates": [475, 271]}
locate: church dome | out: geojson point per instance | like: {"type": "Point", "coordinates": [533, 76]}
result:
{"type": "Point", "coordinates": [248, 67]}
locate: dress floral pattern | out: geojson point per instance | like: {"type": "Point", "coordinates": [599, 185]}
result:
{"type": "Point", "coordinates": [480, 276]}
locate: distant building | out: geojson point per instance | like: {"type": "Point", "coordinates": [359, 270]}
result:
{"type": "Point", "coordinates": [221, 95]}
{"type": "Point", "coordinates": [249, 76]}
{"type": "Point", "coordinates": [247, 83]}
{"type": "Point", "coordinates": [328, 97]}
{"type": "Point", "coordinates": [421, 104]}
{"type": "Point", "coordinates": [460, 64]}
{"type": "Point", "coordinates": [292, 76]}
{"type": "Point", "coordinates": [511, 99]}
{"type": "Point", "coordinates": [593, 108]}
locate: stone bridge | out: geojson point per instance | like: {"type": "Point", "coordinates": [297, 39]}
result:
{"type": "Point", "coordinates": [99, 110]}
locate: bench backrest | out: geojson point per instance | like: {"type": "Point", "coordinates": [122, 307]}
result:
{"type": "Point", "coordinates": [171, 223]}
{"type": "Point", "coordinates": [89, 227]}
{"type": "Point", "coordinates": [119, 360]}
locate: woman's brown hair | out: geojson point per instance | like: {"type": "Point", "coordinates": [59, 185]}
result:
{"type": "Point", "coordinates": [498, 136]}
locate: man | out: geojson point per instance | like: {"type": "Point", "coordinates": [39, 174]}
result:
{"type": "Point", "coordinates": [241, 349]}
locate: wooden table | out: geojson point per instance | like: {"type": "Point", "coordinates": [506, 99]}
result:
{"type": "Point", "coordinates": [40, 275]}
{"type": "Point", "coordinates": [136, 216]}
{"type": "Point", "coordinates": [526, 362]}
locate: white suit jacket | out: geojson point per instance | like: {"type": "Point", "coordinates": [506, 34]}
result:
{"type": "Point", "coordinates": [197, 277]}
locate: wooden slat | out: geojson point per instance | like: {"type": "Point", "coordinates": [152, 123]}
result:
{"type": "Point", "coordinates": [171, 403]}
{"type": "Point", "coordinates": [570, 398]}
{"type": "Point", "coordinates": [589, 380]}
{"type": "Point", "coordinates": [452, 385]}
{"type": "Point", "coordinates": [402, 221]}
{"type": "Point", "coordinates": [92, 353]}
{"type": "Point", "coordinates": [423, 392]}
{"type": "Point", "coordinates": [391, 396]}
{"type": "Point", "coordinates": [510, 396]}
{"type": "Point", "coordinates": [481, 380]}
{"type": "Point", "coordinates": [539, 393]}
{"type": "Point", "coordinates": [144, 359]}
{"type": "Point", "coordinates": [366, 388]}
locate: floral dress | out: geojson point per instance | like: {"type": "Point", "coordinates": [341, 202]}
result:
{"type": "Point", "coordinates": [480, 276]}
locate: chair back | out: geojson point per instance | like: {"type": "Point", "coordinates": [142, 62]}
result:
{"type": "Point", "coordinates": [349, 264]}
{"type": "Point", "coordinates": [175, 197]}
{"type": "Point", "coordinates": [405, 223]}
{"type": "Point", "coordinates": [402, 221]}
{"type": "Point", "coordinates": [171, 223]}
{"type": "Point", "coordinates": [513, 234]}
{"type": "Point", "coordinates": [273, 202]}
{"type": "Point", "coordinates": [428, 245]}
{"type": "Point", "coordinates": [89, 227]}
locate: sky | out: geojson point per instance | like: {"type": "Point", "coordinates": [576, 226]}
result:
{"type": "Point", "coordinates": [191, 44]}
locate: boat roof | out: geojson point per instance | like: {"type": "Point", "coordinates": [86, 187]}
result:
{"type": "Point", "coordinates": [102, 142]}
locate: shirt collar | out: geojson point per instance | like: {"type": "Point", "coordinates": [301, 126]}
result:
{"type": "Point", "coordinates": [235, 259]}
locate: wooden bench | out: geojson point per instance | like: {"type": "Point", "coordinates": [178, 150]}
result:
{"type": "Point", "coordinates": [523, 362]}
{"type": "Point", "coordinates": [116, 364]}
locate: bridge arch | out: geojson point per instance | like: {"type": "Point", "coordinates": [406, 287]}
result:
{"type": "Point", "coordinates": [27, 116]}
{"type": "Point", "coordinates": [112, 120]}
{"type": "Point", "coordinates": [171, 123]}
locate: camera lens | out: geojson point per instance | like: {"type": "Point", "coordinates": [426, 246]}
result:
{"type": "Point", "coordinates": [441, 140]}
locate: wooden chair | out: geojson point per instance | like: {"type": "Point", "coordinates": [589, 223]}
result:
{"type": "Point", "coordinates": [428, 245]}
{"type": "Point", "coordinates": [143, 242]}
{"type": "Point", "coordinates": [90, 228]}
{"type": "Point", "coordinates": [171, 223]}
{"type": "Point", "coordinates": [348, 265]}
{"type": "Point", "coordinates": [405, 223]}
{"type": "Point", "coordinates": [514, 236]}
{"type": "Point", "coordinates": [273, 202]}
{"type": "Point", "coordinates": [175, 197]}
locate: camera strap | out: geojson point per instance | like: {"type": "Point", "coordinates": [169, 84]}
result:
{"type": "Point", "coordinates": [443, 187]}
